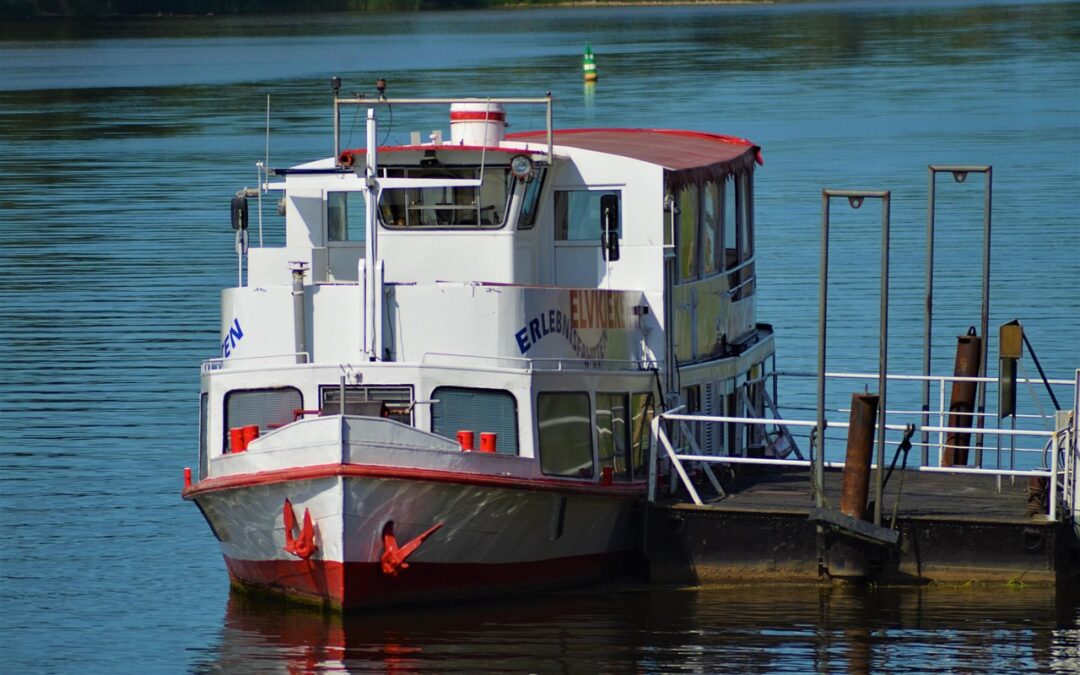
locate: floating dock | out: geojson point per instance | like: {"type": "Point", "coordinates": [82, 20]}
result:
{"type": "Point", "coordinates": [952, 529]}
{"type": "Point", "coordinates": [970, 493]}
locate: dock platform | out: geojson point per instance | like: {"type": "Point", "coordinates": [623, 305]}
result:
{"type": "Point", "coordinates": [952, 528]}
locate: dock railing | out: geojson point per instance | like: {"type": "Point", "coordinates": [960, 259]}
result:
{"type": "Point", "coordinates": [1050, 452]}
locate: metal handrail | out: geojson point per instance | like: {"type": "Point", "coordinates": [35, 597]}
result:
{"type": "Point", "coordinates": [1067, 473]}
{"type": "Point", "coordinates": [383, 101]}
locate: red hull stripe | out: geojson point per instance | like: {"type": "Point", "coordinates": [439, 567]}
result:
{"type": "Point", "coordinates": [625, 490]}
{"type": "Point", "coordinates": [471, 115]}
{"type": "Point", "coordinates": [356, 584]}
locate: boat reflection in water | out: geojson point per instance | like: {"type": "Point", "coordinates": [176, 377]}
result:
{"type": "Point", "coordinates": [641, 629]}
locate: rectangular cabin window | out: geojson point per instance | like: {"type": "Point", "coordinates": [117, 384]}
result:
{"type": "Point", "coordinates": [204, 435]}
{"type": "Point", "coordinates": [345, 216]}
{"type": "Point", "coordinates": [730, 225]}
{"type": "Point", "coordinates": [530, 199]}
{"type": "Point", "coordinates": [710, 228]}
{"type": "Point", "coordinates": [744, 280]}
{"type": "Point", "coordinates": [612, 433]}
{"type": "Point", "coordinates": [447, 206]}
{"type": "Point", "coordinates": [687, 233]}
{"type": "Point", "coordinates": [641, 417]}
{"type": "Point", "coordinates": [397, 399]}
{"type": "Point", "coordinates": [480, 411]}
{"type": "Point", "coordinates": [564, 428]}
{"type": "Point", "coordinates": [267, 409]}
{"type": "Point", "coordinates": [577, 215]}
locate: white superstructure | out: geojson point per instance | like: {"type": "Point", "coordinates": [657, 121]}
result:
{"type": "Point", "coordinates": [537, 296]}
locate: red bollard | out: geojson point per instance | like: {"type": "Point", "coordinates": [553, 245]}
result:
{"type": "Point", "coordinates": [487, 442]}
{"type": "Point", "coordinates": [251, 432]}
{"type": "Point", "coordinates": [465, 439]}
{"type": "Point", "coordinates": [187, 477]}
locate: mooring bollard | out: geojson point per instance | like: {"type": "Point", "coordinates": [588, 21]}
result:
{"type": "Point", "coordinates": [860, 444]}
{"type": "Point", "coordinates": [962, 402]}
{"type": "Point", "coordinates": [846, 559]}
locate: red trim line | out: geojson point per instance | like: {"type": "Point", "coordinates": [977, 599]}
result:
{"type": "Point", "coordinates": [734, 140]}
{"type": "Point", "coordinates": [404, 473]}
{"type": "Point", "coordinates": [471, 115]}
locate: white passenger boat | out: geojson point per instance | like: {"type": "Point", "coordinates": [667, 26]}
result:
{"type": "Point", "coordinates": [498, 316]}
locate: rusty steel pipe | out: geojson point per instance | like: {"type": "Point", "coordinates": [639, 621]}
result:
{"type": "Point", "coordinates": [860, 444]}
{"type": "Point", "coordinates": [962, 401]}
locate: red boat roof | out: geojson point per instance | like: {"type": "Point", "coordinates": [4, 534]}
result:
{"type": "Point", "coordinates": [673, 149]}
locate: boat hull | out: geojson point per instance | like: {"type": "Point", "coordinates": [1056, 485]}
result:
{"type": "Point", "coordinates": [490, 537]}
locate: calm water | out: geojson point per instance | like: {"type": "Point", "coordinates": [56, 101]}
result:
{"type": "Point", "coordinates": [121, 143]}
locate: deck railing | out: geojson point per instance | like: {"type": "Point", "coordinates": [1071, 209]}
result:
{"type": "Point", "coordinates": [1056, 447]}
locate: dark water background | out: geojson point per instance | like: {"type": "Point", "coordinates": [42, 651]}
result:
{"type": "Point", "coordinates": [121, 143]}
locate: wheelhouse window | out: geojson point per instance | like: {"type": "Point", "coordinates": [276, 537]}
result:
{"type": "Point", "coordinates": [397, 400]}
{"type": "Point", "coordinates": [530, 199]}
{"type": "Point", "coordinates": [564, 428]}
{"type": "Point", "coordinates": [447, 206]}
{"type": "Point", "coordinates": [267, 409]}
{"type": "Point", "coordinates": [613, 433]}
{"type": "Point", "coordinates": [577, 215]}
{"type": "Point", "coordinates": [345, 217]}
{"type": "Point", "coordinates": [455, 409]}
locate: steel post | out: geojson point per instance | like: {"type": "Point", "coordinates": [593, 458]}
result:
{"type": "Point", "coordinates": [960, 173]}
{"type": "Point", "coordinates": [855, 199]}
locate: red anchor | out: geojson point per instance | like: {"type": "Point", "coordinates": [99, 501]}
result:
{"type": "Point", "coordinates": [304, 545]}
{"type": "Point", "coordinates": [393, 557]}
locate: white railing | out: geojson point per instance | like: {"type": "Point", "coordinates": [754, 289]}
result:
{"type": "Point", "coordinates": [1058, 444]}
{"type": "Point", "coordinates": [291, 358]}
{"type": "Point", "coordinates": [942, 413]}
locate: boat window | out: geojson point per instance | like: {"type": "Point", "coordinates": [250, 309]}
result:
{"type": "Point", "coordinates": [641, 417]}
{"type": "Point", "coordinates": [612, 433]}
{"type": "Point", "coordinates": [530, 200]}
{"type": "Point", "coordinates": [746, 212]}
{"type": "Point", "coordinates": [455, 409]}
{"type": "Point", "coordinates": [730, 226]}
{"type": "Point", "coordinates": [687, 234]}
{"type": "Point", "coordinates": [743, 281]}
{"type": "Point", "coordinates": [577, 214]}
{"type": "Point", "coordinates": [448, 206]}
{"type": "Point", "coordinates": [398, 400]}
{"type": "Point", "coordinates": [345, 216]}
{"type": "Point", "coordinates": [267, 409]}
{"type": "Point", "coordinates": [565, 434]}
{"type": "Point", "coordinates": [204, 435]}
{"type": "Point", "coordinates": [710, 227]}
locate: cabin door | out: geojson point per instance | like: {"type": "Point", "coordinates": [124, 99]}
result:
{"type": "Point", "coordinates": [586, 244]}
